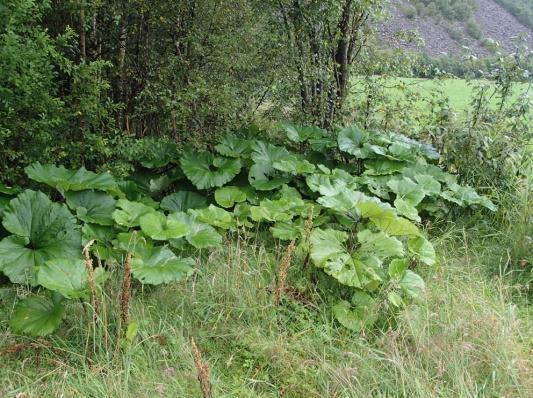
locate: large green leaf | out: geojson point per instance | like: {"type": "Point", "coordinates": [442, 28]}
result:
{"type": "Point", "coordinates": [92, 206]}
{"type": "Point", "coordinates": [42, 230]}
{"type": "Point", "coordinates": [283, 209]}
{"type": "Point", "coordinates": [202, 235]}
{"type": "Point", "coordinates": [358, 315]}
{"type": "Point", "coordinates": [351, 140]}
{"type": "Point", "coordinates": [331, 184]}
{"type": "Point", "coordinates": [268, 154]}
{"type": "Point", "coordinates": [214, 216]}
{"type": "Point", "coordinates": [396, 226]}
{"type": "Point", "coordinates": [379, 244]}
{"type": "Point", "coordinates": [428, 184]}
{"type": "Point", "coordinates": [259, 178]}
{"type": "Point", "coordinates": [37, 316]}
{"type": "Point", "coordinates": [159, 265]}
{"type": "Point", "coordinates": [160, 227]}
{"type": "Point", "coordinates": [382, 167]}
{"type": "Point", "coordinates": [229, 195]}
{"type": "Point", "coordinates": [234, 147]}
{"type": "Point", "coordinates": [71, 180]}
{"type": "Point", "coordinates": [183, 201]}
{"type": "Point", "coordinates": [128, 213]}
{"type": "Point", "coordinates": [199, 235]}
{"type": "Point", "coordinates": [423, 249]}
{"type": "Point", "coordinates": [412, 285]}
{"type": "Point", "coordinates": [294, 164]}
{"type": "Point", "coordinates": [408, 196]}
{"type": "Point", "coordinates": [465, 195]}
{"type": "Point", "coordinates": [343, 202]}
{"type": "Point", "coordinates": [328, 252]}
{"type": "Point", "coordinates": [207, 171]}
{"type": "Point", "coordinates": [68, 277]}
{"type": "Point", "coordinates": [303, 133]}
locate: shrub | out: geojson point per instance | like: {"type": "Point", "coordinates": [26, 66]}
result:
{"type": "Point", "coordinates": [473, 29]}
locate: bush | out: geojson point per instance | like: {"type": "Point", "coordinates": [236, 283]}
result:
{"type": "Point", "coordinates": [409, 11]}
{"type": "Point", "coordinates": [473, 29]}
{"type": "Point", "coordinates": [455, 34]}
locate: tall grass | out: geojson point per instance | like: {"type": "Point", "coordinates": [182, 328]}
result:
{"type": "Point", "coordinates": [470, 337]}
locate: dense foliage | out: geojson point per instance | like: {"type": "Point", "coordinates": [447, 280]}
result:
{"type": "Point", "coordinates": [352, 202]}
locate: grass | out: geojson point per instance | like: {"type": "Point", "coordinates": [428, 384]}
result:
{"type": "Point", "coordinates": [458, 91]}
{"type": "Point", "coordinates": [470, 337]}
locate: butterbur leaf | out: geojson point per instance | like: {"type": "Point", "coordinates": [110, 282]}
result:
{"type": "Point", "coordinates": [206, 171]}
{"type": "Point", "coordinates": [405, 189]}
{"type": "Point", "coordinates": [412, 285]}
{"type": "Point", "coordinates": [346, 317]}
{"type": "Point", "coordinates": [159, 265]}
{"type": "Point", "coordinates": [327, 245]}
{"type": "Point", "coordinates": [344, 201]}
{"type": "Point", "coordinates": [397, 268]}
{"type": "Point", "coordinates": [160, 227]}
{"type": "Point", "coordinates": [287, 230]}
{"type": "Point", "coordinates": [331, 184]}
{"type": "Point", "coordinates": [41, 230]}
{"type": "Point", "coordinates": [383, 167]}
{"type": "Point", "coordinates": [351, 140]}
{"type": "Point", "coordinates": [396, 226]}
{"type": "Point", "coordinates": [375, 210]}
{"type": "Point", "coordinates": [100, 233]}
{"type": "Point", "coordinates": [428, 184]}
{"type": "Point", "coordinates": [72, 180]}
{"type": "Point", "coordinates": [328, 252]}
{"type": "Point", "coordinates": [379, 244]}
{"type": "Point", "coordinates": [267, 153]}
{"type": "Point", "coordinates": [294, 165]}
{"type": "Point", "coordinates": [214, 216]}
{"type": "Point", "coordinates": [358, 316]}
{"type": "Point", "coordinates": [283, 209]}
{"type": "Point", "coordinates": [234, 147]}
{"type": "Point", "coordinates": [303, 133]}
{"type": "Point", "coordinates": [423, 249]}
{"type": "Point", "coordinates": [69, 277]}
{"type": "Point", "coordinates": [465, 195]}
{"type": "Point", "coordinates": [160, 154]}
{"type": "Point", "coordinates": [92, 206]}
{"type": "Point", "coordinates": [406, 209]}
{"type": "Point", "coordinates": [395, 299]}
{"type": "Point", "coordinates": [229, 195]}
{"type": "Point", "coordinates": [263, 183]}
{"type": "Point", "coordinates": [9, 191]}
{"type": "Point", "coordinates": [129, 213]}
{"type": "Point", "coordinates": [202, 236]}
{"type": "Point", "coordinates": [261, 174]}
{"type": "Point", "coordinates": [183, 201]}
{"type": "Point", "coordinates": [37, 316]}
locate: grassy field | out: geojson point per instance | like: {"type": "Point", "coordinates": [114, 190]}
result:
{"type": "Point", "coordinates": [458, 91]}
{"type": "Point", "coordinates": [471, 337]}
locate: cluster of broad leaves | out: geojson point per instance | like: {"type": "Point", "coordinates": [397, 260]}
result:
{"type": "Point", "coordinates": [352, 200]}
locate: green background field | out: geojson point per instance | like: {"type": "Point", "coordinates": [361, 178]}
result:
{"type": "Point", "coordinates": [458, 91]}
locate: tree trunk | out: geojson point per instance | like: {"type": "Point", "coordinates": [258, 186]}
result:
{"type": "Point", "coordinates": [83, 51]}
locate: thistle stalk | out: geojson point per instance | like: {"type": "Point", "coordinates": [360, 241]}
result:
{"type": "Point", "coordinates": [202, 368]}
{"type": "Point", "coordinates": [282, 272]}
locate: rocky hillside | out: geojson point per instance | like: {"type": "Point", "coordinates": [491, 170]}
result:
{"type": "Point", "coordinates": [421, 26]}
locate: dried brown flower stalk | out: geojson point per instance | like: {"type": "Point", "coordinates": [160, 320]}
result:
{"type": "Point", "coordinates": [202, 368]}
{"type": "Point", "coordinates": [282, 272]}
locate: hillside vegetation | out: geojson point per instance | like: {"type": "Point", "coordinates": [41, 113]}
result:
{"type": "Point", "coordinates": [251, 198]}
